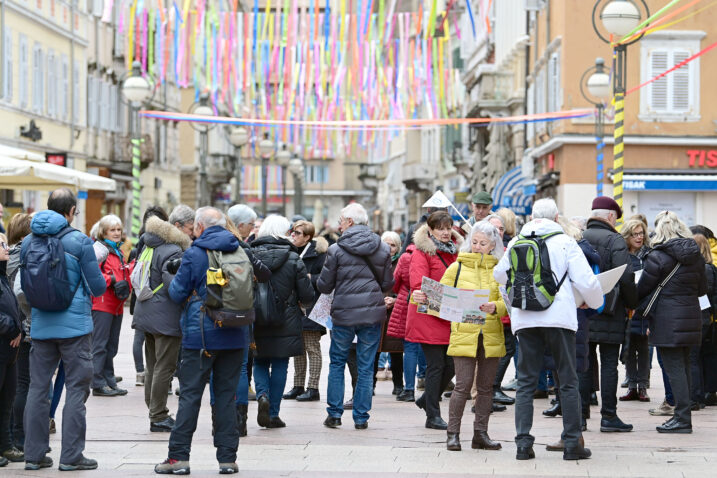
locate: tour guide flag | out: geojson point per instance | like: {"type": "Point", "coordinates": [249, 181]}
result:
{"type": "Point", "coordinates": [440, 200]}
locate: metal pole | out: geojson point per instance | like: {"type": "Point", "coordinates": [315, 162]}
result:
{"type": "Point", "coordinates": [600, 139]}
{"type": "Point", "coordinates": [136, 142]}
{"type": "Point", "coordinates": [299, 195]}
{"type": "Point", "coordinates": [237, 174]}
{"type": "Point", "coordinates": [283, 191]}
{"type": "Point", "coordinates": [619, 132]}
{"type": "Point", "coordinates": [203, 146]}
{"type": "Point", "coordinates": [263, 185]}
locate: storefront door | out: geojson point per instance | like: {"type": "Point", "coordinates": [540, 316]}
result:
{"type": "Point", "coordinates": [650, 203]}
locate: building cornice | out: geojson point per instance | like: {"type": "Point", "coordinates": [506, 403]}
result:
{"type": "Point", "coordinates": [37, 18]}
{"type": "Point", "coordinates": [643, 140]}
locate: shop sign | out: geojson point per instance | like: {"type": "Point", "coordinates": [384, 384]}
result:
{"type": "Point", "coordinates": [701, 158]}
{"type": "Point", "coordinates": [59, 159]}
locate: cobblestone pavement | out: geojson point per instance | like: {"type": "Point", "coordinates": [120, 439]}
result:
{"type": "Point", "coordinates": [118, 437]}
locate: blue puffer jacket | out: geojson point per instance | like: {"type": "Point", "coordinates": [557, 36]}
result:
{"type": "Point", "coordinates": [192, 277]}
{"type": "Point", "coordinates": [81, 267]}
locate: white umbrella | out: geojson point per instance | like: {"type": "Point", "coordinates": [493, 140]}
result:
{"type": "Point", "coordinates": [37, 176]}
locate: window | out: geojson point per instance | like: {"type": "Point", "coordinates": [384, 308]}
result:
{"type": "Point", "coordinates": [51, 85]}
{"type": "Point", "coordinates": [76, 118]}
{"type": "Point", "coordinates": [540, 98]}
{"type": "Point", "coordinates": [64, 89]}
{"type": "Point", "coordinates": [114, 117]}
{"type": "Point", "coordinates": [38, 80]}
{"type": "Point", "coordinates": [24, 75]}
{"type": "Point", "coordinates": [674, 97]}
{"type": "Point", "coordinates": [7, 67]}
{"type": "Point", "coordinates": [104, 105]}
{"type": "Point", "coordinates": [530, 127]}
{"type": "Point", "coordinates": [92, 93]}
{"type": "Point", "coordinates": [555, 100]}
{"type": "Point", "coordinates": [317, 174]}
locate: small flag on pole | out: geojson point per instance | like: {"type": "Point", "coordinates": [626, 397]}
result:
{"type": "Point", "coordinates": [438, 200]}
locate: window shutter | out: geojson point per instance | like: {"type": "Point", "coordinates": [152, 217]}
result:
{"type": "Point", "coordinates": [114, 121]}
{"type": "Point", "coordinates": [23, 77]}
{"type": "Point", "coordinates": [530, 127]}
{"type": "Point", "coordinates": [7, 67]}
{"type": "Point", "coordinates": [76, 93]}
{"type": "Point", "coordinates": [659, 88]}
{"type": "Point", "coordinates": [64, 88]}
{"type": "Point", "coordinates": [104, 106]}
{"type": "Point", "coordinates": [51, 84]}
{"type": "Point", "coordinates": [91, 110]}
{"type": "Point", "coordinates": [680, 82]}
{"type": "Point", "coordinates": [97, 8]}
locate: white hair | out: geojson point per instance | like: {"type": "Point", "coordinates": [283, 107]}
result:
{"type": "Point", "coordinates": [181, 214]}
{"type": "Point", "coordinates": [108, 221]}
{"type": "Point", "coordinates": [580, 221]}
{"type": "Point", "coordinates": [603, 214]}
{"type": "Point", "coordinates": [95, 229]}
{"type": "Point", "coordinates": [210, 216]}
{"type": "Point", "coordinates": [494, 216]}
{"type": "Point", "coordinates": [393, 237]}
{"type": "Point", "coordinates": [275, 226]}
{"type": "Point", "coordinates": [545, 209]}
{"type": "Point", "coordinates": [356, 213]}
{"type": "Point", "coordinates": [669, 226]}
{"type": "Point", "coordinates": [241, 214]}
{"type": "Point", "coordinates": [490, 231]}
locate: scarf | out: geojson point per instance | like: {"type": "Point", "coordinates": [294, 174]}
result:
{"type": "Point", "coordinates": [447, 247]}
{"type": "Point", "coordinates": [114, 246]}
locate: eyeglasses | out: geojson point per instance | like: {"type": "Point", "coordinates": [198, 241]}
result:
{"type": "Point", "coordinates": [638, 234]}
{"type": "Point", "coordinates": [297, 233]}
{"type": "Point", "coordinates": [77, 213]}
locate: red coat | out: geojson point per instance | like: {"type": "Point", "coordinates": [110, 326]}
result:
{"type": "Point", "coordinates": [115, 266]}
{"type": "Point", "coordinates": [426, 262]}
{"type": "Point", "coordinates": [397, 322]}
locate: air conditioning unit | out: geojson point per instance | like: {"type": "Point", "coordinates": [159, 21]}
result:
{"type": "Point", "coordinates": [533, 5]}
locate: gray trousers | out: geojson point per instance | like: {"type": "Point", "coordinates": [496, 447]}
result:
{"type": "Point", "coordinates": [676, 361]}
{"type": "Point", "coordinates": [44, 356]}
{"type": "Point", "coordinates": [533, 344]}
{"type": "Point", "coordinates": [161, 353]}
{"type": "Point", "coordinates": [105, 344]}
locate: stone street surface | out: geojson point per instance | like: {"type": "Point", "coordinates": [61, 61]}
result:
{"type": "Point", "coordinates": [396, 441]}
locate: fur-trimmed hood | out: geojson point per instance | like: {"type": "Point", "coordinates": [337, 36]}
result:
{"type": "Point", "coordinates": [321, 245]}
{"type": "Point", "coordinates": [164, 233]}
{"type": "Point", "coordinates": [423, 241]}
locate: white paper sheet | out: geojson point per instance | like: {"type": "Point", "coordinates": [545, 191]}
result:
{"type": "Point", "coordinates": [607, 280]}
{"type": "Point", "coordinates": [705, 302]}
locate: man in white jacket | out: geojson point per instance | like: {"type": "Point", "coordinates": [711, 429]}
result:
{"type": "Point", "coordinates": [552, 329]}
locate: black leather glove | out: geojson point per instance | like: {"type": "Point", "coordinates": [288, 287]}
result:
{"type": "Point", "coordinates": [121, 289]}
{"type": "Point", "coordinates": [173, 265]}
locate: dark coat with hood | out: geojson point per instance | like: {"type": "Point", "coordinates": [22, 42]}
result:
{"type": "Point", "coordinates": [313, 255]}
{"type": "Point", "coordinates": [401, 287]}
{"type": "Point", "coordinates": [291, 283]}
{"type": "Point", "coordinates": [358, 297]}
{"type": "Point", "coordinates": [676, 318]}
{"type": "Point", "coordinates": [189, 288]}
{"type": "Point", "coordinates": [610, 245]}
{"type": "Point", "coordinates": [159, 314]}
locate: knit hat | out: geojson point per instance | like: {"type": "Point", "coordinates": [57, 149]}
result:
{"type": "Point", "coordinates": [608, 203]}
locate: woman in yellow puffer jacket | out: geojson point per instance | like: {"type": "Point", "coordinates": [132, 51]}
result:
{"type": "Point", "coordinates": [476, 348]}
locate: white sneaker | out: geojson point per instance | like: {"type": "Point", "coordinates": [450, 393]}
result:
{"type": "Point", "coordinates": [140, 379]}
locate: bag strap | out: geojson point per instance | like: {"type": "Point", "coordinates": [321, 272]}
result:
{"type": "Point", "coordinates": [438, 253]}
{"type": "Point", "coordinates": [659, 289]}
{"type": "Point", "coordinates": [458, 273]}
{"type": "Point", "coordinates": [368, 263]}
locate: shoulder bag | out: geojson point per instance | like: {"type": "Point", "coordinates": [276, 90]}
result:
{"type": "Point", "coordinates": [650, 304]}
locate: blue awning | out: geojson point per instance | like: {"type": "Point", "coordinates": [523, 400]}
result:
{"type": "Point", "coordinates": [514, 191]}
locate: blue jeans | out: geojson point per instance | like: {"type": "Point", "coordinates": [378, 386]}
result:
{"type": "Point", "coordinates": [412, 355]}
{"type": "Point", "coordinates": [384, 359]}
{"type": "Point", "coordinates": [242, 395]}
{"type": "Point", "coordinates": [270, 380]}
{"type": "Point", "coordinates": [366, 348]}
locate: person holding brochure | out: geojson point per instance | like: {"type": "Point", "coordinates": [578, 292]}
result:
{"type": "Point", "coordinates": [476, 348]}
{"type": "Point", "coordinates": [436, 249]}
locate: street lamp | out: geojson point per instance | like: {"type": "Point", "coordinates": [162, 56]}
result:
{"type": "Point", "coordinates": [283, 157]}
{"type": "Point", "coordinates": [597, 83]}
{"type": "Point", "coordinates": [136, 89]}
{"type": "Point", "coordinates": [296, 166]}
{"type": "Point", "coordinates": [203, 108]}
{"type": "Point", "coordinates": [238, 137]}
{"type": "Point", "coordinates": [619, 17]}
{"type": "Point", "coordinates": [266, 148]}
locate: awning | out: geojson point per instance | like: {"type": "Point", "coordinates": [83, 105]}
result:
{"type": "Point", "coordinates": [514, 191]}
{"type": "Point", "coordinates": [33, 175]}
{"type": "Point", "coordinates": [669, 182]}
{"type": "Point", "coordinates": [18, 153]}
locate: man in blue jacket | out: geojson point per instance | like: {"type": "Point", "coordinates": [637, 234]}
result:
{"type": "Point", "coordinates": [219, 352]}
{"type": "Point", "coordinates": [64, 335]}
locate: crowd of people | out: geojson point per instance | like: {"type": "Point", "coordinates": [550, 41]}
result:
{"type": "Point", "coordinates": [223, 298]}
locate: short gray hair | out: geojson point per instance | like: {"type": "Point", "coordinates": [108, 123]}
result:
{"type": "Point", "coordinates": [545, 209]}
{"type": "Point", "coordinates": [356, 213]}
{"type": "Point", "coordinates": [181, 214]}
{"type": "Point", "coordinates": [241, 214]}
{"type": "Point", "coordinates": [490, 231]}
{"type": "Point", "coordinates": [210, 216]}
{"type": "Point", "coordinates": [580, 221]}
{"type": "Point", "coordinates": [393, 237]}
{"type": "Point", "coordinates": [105, 223]}
{"type": "Point", "coordinates": [275, 226]}
{"type": "Point", "coordinates": [603, 214]}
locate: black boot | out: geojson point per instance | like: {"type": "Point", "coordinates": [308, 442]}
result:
{"type": "Point", "coordinates": [293, 393]}
{"type": "Point", "coordinates": [241, 419]}
{"type": "Point", "coordinates": [482, 441]}
{"type": "Point", "coordinates": [553, 411]}
{"type": "Point", "coordinates": [453, 443]}
{"type": "Point", "coordinates": [310, 395]}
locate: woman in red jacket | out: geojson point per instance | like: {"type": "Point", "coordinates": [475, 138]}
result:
{"type": "Point", "coordinates": [436, 249]}
{"type": "Point", "coordinates": [107, 309]}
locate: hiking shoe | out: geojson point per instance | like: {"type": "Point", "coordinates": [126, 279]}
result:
{"type": "Point", "coordinates": [139, 381]}
{"type": "Point", "coordinates": [172, 467]}
{"type": "Point", "coordinates": [664, 410]}
{"type": "Point", "coordinates": [14, 455]}
{"type": "Point", "coordinates": [165, 425]}
{"type": "Point", "coordinates": [46, 462]}
{"type": "Point", "coordinates": [120, 391]}
{"type": "Point", "coordinates": [83, 463]}
{"type": "Point", "coordinates": [228, 468]}
{"type": "Point", "coordinates": [614, 424]}
{"type": "Point", "coordinates": [105, 391]}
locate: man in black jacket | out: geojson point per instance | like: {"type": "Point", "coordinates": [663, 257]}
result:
{"type": "Point", "coordinates": [358, 271]}
{"type": "Point", "coordinates": [608, 328]}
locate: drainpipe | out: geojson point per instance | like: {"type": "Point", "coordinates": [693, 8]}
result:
{"type": "Point", "coordinates": [528, 15]}
{"type": "Point", "coordinates": [71, 67]}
